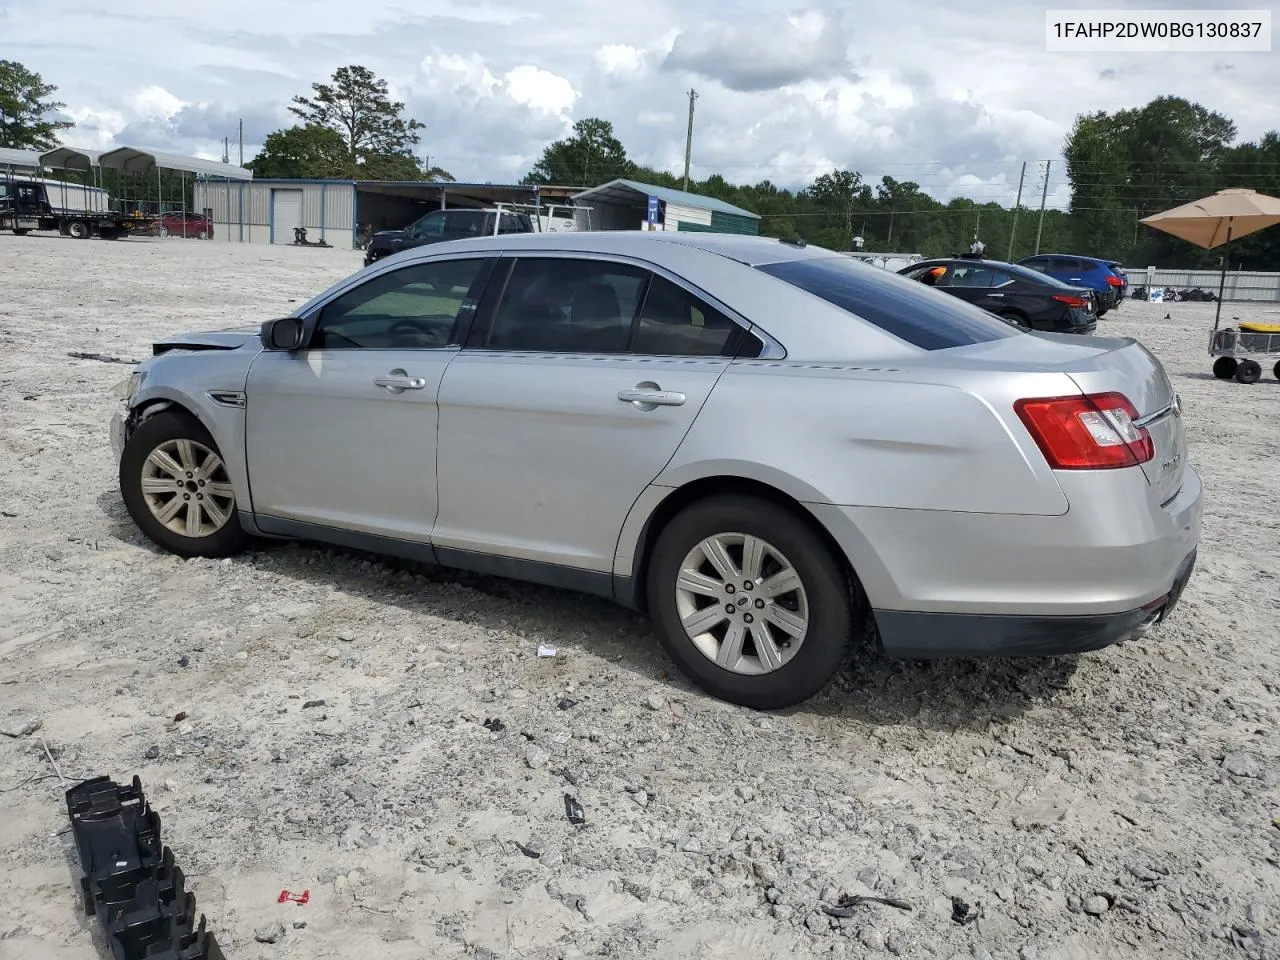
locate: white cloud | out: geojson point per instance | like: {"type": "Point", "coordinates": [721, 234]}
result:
{"type": "Point", "coordinates": [950, 97]}
{"type": "Point", "coordinates": [155, 103]}
{"type": "Point", "coordinates": [541, 89]}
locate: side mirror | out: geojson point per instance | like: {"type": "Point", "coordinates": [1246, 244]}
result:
{"type": "Point", "coordinates": [282, 334]}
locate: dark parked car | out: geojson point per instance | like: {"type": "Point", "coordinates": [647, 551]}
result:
{"type": "Point", "coordinates": [1021, 296]}
{"type": "Point", "coordinates": [1103, 277]}
{"type": "Point", "coordinates": [440, 225]}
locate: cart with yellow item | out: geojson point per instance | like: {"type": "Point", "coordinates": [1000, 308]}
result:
{"type": "Point", "coordinates": [1240, 348]}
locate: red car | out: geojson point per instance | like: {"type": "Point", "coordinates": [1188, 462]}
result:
{"type": "Point", "coordinates": [177, 224]}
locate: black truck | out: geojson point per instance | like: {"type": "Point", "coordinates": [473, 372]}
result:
{"type": "Point", "coordinates": [24, 206]}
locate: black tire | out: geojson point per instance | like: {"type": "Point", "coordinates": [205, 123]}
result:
{"type": "Point", "coordinates": [1248, 371]}
{"type": "Point", "coordinates": [1224, 368]}
{"type": "Point", "coordinates": [826, 588]}
{"type": "Point", "coordinates": [151, 434]}
{"type": "Point", "coordinates": [1015, 318]}
{"type": "Point", "coordinates": [20, 232]}
{"type": "Point", "coordinates": [79, 230]}
{"type": "Point", "coordinates": [1276, 369]}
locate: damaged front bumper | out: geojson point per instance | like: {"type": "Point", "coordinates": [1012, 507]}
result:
{"type": "Point", "coordinates": [119, 432]}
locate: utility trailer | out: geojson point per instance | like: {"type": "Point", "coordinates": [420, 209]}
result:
{"type": "Point", "coordinates": [24, 206]}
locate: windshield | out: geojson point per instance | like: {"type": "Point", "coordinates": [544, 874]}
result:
{"type": "Point", "coordinates": [908, 310]}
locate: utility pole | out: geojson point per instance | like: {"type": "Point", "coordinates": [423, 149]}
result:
{"type": "Point", "coordinates": [688, 140]}
{"type": "Point", "coordinates": [242, 141]}
{"type": "Point", "coordinates": [1043, 196]}
{"type": "Point", "coordinates": [1013, 230]}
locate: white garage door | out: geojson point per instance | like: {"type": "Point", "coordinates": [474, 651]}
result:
{"type": "Point", "coordinates": [286, 213]}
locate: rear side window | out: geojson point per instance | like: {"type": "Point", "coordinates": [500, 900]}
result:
{"type": "Point", "coordinates": [909, 311]}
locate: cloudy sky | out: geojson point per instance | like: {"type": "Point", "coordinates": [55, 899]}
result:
{"type": "Point", "coordinates": [952, 95]}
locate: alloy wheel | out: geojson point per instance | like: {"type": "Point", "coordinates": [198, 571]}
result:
{"type": "Point", "coordinates": [742, 603]}
{"type": "Point", "coordinates": [186, 487]}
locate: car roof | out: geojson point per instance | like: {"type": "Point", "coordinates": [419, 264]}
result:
{"type": "Point", "coordinates": [750, 250]}
{"type": "Point", "coordinates": [1073, 256]}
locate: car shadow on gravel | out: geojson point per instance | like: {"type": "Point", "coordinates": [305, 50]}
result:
{"type": "Point", "coordinates": [945, 695]}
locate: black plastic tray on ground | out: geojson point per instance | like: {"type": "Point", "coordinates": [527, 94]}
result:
{"type": "Point", "coordinates": [130, 881]}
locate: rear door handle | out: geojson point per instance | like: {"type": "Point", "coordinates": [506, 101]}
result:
{"type": "Point", "coordinates": [650, 397]}
{"type": "Point", "coordinates": [398, 382]}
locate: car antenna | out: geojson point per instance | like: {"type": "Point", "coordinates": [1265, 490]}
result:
{"type": "Point", "coordinates": [793, 241]}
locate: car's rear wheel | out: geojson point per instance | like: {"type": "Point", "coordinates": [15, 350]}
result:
{"type": "Point", "coordinates": [749, 601]}
{"type": "Point", "coordinates": [202, 235]}
{"type": "Point", "coordinates": [1224, 368]}
{"type": "Point", "coordinates": [1276, 369]}
{"type": "Point", "coordinates": [176, 487]}
{"type": "Point", "coordinates": [162, 231]}
{"type": "Point", "coordinates": [1016, 319]}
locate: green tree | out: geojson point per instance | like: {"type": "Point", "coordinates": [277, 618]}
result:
{"type": "Point", "coordinates": [309, 152]}
{"type": "Point", "coordinates": [357, 106]}
{"type": "Point", "coordinates": [592, 155]}
{"type": "Point", "coordinates": [25, 107]}
{"type": "Point", "coordinates": [1131, 163]}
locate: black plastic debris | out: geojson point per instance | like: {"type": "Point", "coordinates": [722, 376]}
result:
{"type": "Point", "coordinates": [532, 849]}
{"type": "Point", "coordinates": [494, 725]}
{"type": "Point", "coordinates": [962, 913]}
{"type": "Point", "coordinates": [100, 357]}
{"type": "Point", "coordinates": [573, 810]}
{"type": "Point", "coordinates": [848, 904]}
{"type": "Point", "coordinates": [130, 881]}
{"type": "Point", "coordinates": [566, 704]}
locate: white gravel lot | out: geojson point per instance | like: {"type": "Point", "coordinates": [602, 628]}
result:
{"type": "Point", "coordinates": [1139, 782]}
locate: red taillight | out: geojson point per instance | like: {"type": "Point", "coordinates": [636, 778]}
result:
{"type": "Point", "coordinates": [1094, 432]}
{"type": "Point", "coordinates": [1114, 282]}
{"type": "Point", "coordinates": [1070, 301]}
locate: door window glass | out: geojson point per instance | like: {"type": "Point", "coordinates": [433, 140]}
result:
{"type": "Point", "coordinates": [432, 225]}
{"type": "Point", "coordinates": [412, 308]}
{"type": "Point", "coordinates": [675, 323]}
{"type": "Point", "coordinates": [562, 305]}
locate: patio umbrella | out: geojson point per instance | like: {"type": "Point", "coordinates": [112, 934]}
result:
{"type": "Point", "coordinates": [1215, 221]}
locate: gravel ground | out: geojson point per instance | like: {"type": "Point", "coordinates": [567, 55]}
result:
{"type": "Point", "coordinates": [1121, 804]}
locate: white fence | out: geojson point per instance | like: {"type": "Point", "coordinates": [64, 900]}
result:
{"type": "Point", "coordinates": [1240, 285]}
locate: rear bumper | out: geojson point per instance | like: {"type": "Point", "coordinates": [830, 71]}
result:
{"type": "Point", "coordinates": [965, 584]}
{"type": "Point", "coordinates": [927, 636]}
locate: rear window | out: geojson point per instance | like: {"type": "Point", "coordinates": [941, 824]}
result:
{"type": "Point", "coordinates": [908, 310]}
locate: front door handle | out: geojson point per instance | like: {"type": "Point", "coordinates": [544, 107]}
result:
{"type": "Point", "coordinates": [995, 294]}
{"type": "Point", "coordinates": [398, 382]}
{"type": "Point", "coordinates": [646, 396]}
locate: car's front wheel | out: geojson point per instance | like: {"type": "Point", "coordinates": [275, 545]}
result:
{"type": "Point", "coordinates": [749, 601]}
{"type": "Point", "coordinates": [176, 487]}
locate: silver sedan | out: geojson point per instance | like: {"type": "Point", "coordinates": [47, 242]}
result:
{"type": "Point", "coordinates": [765, 446]}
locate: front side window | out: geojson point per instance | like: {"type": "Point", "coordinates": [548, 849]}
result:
{"type": "Point", "coordinates": [561, 305]}
{"type": "Point", "coordinates": [415, 307]}
{"type": "Point", "coordinates": [892, 303]}
{"type": "Point", "coordinates": [432, 225]}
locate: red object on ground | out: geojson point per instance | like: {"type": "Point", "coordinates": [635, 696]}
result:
{"type": "Point", "coordinates": [298, 898]}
